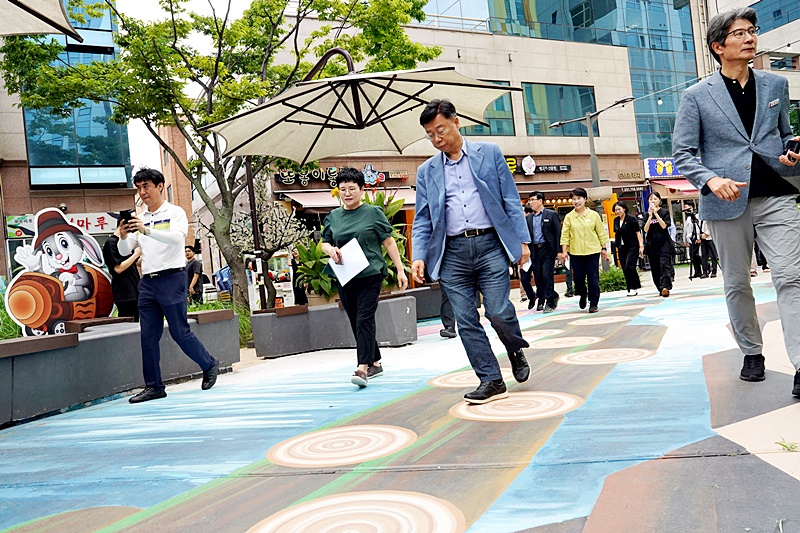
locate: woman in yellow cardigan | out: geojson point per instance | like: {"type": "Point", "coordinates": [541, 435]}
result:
{"type": "Point", "coordinates": [584, 238]}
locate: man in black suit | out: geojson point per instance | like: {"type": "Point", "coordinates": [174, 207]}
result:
{"type": "Point", "coordinates": [544, 227]}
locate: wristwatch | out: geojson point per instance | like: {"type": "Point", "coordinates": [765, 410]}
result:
{"type": "Point", "coordinates": [147, 231]}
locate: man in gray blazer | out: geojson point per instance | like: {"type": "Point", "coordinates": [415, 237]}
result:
{"type": "Point", "coordinates": [737, 122]}
{"type": "Point", "coordinates": [467, 229]}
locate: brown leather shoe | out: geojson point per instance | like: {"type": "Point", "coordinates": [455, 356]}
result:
{"type": "Point", "coordinates": [374, 371]}
{"type": "Point", "coordinates": [359, 378]}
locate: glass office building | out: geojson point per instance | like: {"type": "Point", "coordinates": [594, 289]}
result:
{"type": "Point", "coordinates": [84, 148]}
{"type": "Point", "coordinates": [657, 34]}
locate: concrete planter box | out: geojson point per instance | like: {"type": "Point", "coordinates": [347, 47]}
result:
{"type": "Point", "coordinates": [103, 360]}
{"type": "Point", "coordinates": [326, 327]}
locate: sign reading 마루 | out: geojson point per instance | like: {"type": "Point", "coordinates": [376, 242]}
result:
{"type": "Point", "coordinates": [23, 226]}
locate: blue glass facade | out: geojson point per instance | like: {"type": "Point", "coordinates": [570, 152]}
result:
{"type": "Point", "coordinates": [546, 103]}
{"type": "Point", "coordinates": [775, 13]}
{"type": "Point", "coordinates": [657, 34]}
{"type": "Point", "coordinates": [84, 148]}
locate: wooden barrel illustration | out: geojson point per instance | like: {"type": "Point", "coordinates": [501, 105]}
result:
{"type": "Point", "coordinates": [37, 300]}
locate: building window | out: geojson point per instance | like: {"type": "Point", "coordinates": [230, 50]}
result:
{"type": "Point", "coordinates": [79, 147]}
{"type": "Point", "coordinates": [776, 13]}
{"type": "Point", "coordinates": [499, 115]}
{"type": "Point", "coordinates": [545, 104]}
{"type": "Point", "coordinates": [169, 193]}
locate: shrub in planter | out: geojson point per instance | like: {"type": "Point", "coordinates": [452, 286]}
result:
{"type": "Point", "coordinates": [310, 271]}
{"type": "Point", "coordinates": [612, 279]}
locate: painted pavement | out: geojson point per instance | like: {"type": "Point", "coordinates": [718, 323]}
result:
{"type": "Point", "coordinates": [633, 420]}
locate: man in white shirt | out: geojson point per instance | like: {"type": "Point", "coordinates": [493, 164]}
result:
{"type": "Point", "coordinates": [160, 233]}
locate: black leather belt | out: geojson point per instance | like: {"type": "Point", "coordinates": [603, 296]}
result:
{"type": "Point", "coordinates": [162, 273]}
{"type": "Point", "coordinates": [539, 245]}
{"type": "Point", "coordinates": [474, 233]}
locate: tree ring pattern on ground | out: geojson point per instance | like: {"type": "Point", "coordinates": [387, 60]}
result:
{"type": "Point", "coordinates": [340, 446]}
{"type": "Point", "coordinates": [395, 511]}
{"type": "Point", "coordinates": [519, 406]}
{"type": "Point", "coordinates": [605, 356]}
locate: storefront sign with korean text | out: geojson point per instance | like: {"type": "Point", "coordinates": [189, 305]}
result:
{"type": "Point", "coordinates": [22, 226]}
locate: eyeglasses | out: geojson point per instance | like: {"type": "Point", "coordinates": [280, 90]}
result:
{"type": "Point", "coordinates": [739, 34]}
{"type": "Point", "coordinates": [440, 132]}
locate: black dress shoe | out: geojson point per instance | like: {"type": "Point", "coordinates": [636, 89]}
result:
{"type": "Point", "coordinates": [487, 391]}
{"type": "Point", "coordinates": [753, 368]}
{"type": "Point", "coordinates": [593, 309]}
{"type": "Point", "coordinates": [148, 394]}
{"type": "Point", "coordinates": [713, 274]}
{"type": "Point", "coordinates": [704, 276]}
{"type": "Point", "coordinates": [796, 389]}
{"type": "Point", "coordinates": [531, 303]}
{"type": "Point", "coordinates": [554, 305]}
{"type": "Point", "coordinates": [519, 366]}
{"type": "Point", "coordinates": [582, 302]}
{"type": "Point", "coordinates": [448, 333]}
{"type": "Point", "coordinates": [210, 376]}
{"type": "Point", "coordinates": [569, 294]}
{"type": "Point", "coordinates": [540, 306]}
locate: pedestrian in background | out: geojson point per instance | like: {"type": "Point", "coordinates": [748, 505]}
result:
{"type": "Point", "coordinates": [544, 228]}
{"type": "Point", "coordinates": [659, 245]}
{"type": "Point", "coordinates": [628, 239]}
{"type": "Point", "coordinates": [584, 238]}
{"type": "Point", "coordinates": [525, 276]}
{"type": "Point", "coordinates": [160, 231]}
{"type": "Point", "coordinates": [194, 275]}
{"type": "Point", "coordinates": [368, 225]}
{"type": "Point", "coordinates": [124, 275]}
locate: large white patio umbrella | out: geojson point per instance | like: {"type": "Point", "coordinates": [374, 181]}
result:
{"type": "Point", "coordinates": [30, 17]}
{"type": "Point", "coordinates": [353, 113]}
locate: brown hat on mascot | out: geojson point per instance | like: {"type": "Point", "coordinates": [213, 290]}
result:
{"type": "Point", "coordinates": [50, 222]}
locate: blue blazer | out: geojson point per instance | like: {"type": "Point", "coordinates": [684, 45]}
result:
{"type": "Point", "coordinates": [708, 126]}
{"type": "Point", "coordinates": [497, 190]}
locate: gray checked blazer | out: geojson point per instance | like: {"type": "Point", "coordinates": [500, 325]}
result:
{"type": "Point", "coordinates": [708, 126]}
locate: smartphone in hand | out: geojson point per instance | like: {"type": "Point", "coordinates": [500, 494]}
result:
{"type": "Point", "coordinates": [792, 146]}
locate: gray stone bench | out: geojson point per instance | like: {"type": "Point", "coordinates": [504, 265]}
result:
{"type": "Point", "coordinates": [40, 375]}
{"type": "Point", "coordinates": [326, 327]}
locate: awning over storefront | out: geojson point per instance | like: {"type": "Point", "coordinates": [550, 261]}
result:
{"type": "Point", "coordinates": [682, 186]}
{"type": "Point", "coordinates": [322, 201]}
{"type": "Point", "coordinates": [564, 187]}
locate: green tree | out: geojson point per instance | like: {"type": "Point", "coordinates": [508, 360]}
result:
{"type": "Point", "coordinates": [163, 77]}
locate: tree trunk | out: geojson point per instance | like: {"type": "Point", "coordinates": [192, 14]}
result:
{"type": "Point", "coordinates": [234, 260]}
{"type": "Point", "coordinates": [268, 285]}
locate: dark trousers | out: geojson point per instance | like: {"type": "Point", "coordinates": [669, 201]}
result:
{"type": "Point", "coordinates": [161, 298]}
{"type": "Point", "coordinates": [697, 261]}
{"type": "Point", "coordinates": [586, 276]}
{"type": "Point", "coordinates": [543, 267]}
{"type": "Point", "coordinates": [128, 308]}
{"type": "Point", "coordinates": [662, 269]}
{"type": "Point", "coordinates": [628, 258]}
{"type": "Point", "coordinates": [360, 301]}
{"type": "Point", "coordinates": [446, 311]}
{"type": "Point", "coordinates": [525, 281]}
{"type": "Point", "coordinates": [708, 252]}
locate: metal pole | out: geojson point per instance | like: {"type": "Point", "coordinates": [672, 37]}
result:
{"type": "Point", "coordinates": [592, 154]}
{"type": "Point", "coordinates": [256, 231]}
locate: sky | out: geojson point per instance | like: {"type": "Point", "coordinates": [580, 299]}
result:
{"type": "Point", "coordinates": [145, 151]}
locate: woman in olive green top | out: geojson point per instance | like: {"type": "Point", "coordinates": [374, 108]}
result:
{"type": "Point", "coordinates": [584, 237]}
{"type": "Point", "coordinates": [368, 224]}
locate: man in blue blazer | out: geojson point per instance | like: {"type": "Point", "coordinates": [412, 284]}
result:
{"type": "Point", "coordinates": [737, 123]}
{"type": "Point", "coordinates": [468, 227]}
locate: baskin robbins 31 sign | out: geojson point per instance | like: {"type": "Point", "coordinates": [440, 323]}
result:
{"type": "Point", "coordinates": [56, 285]}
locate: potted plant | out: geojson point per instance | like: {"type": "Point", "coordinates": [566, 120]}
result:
{"type": "Point", "coordinates": [320, 286]}
{"type": "Point", "coordinates": [390, 207]}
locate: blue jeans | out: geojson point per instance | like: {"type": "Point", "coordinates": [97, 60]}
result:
{"type": "Point", "coordinates": [161, 298]}
{"type": "Point", "coordinates": [480, 263]}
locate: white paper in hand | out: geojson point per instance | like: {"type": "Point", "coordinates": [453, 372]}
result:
{"type": "Point", "coordinates": [353, 262]}
{"type": "Point", "coordinates": [526, 265]}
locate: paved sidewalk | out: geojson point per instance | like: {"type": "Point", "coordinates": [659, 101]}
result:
{"type": "Point", "coordinates": [634, 419]}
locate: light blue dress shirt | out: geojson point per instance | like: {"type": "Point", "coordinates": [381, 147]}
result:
{"type": "Point", "coordinates": [538, 236]}
{"type": "Point", "coordinates": [463, 205]}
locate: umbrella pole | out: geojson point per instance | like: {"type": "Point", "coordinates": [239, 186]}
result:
{"type": "Point", "coordinates": [256, 231]}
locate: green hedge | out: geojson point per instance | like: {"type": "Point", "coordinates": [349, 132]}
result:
{"type": "Point", "coordinates": [8, 328]}
{"type": "Point", "coordinates": [612, 279]}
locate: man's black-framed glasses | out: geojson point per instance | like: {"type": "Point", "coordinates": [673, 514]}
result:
{"type": "Point", "coordinates": [739, 34]}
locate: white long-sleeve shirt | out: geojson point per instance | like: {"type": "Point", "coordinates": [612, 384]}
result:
{"type": "Point", "coordinates": [163, 248]}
